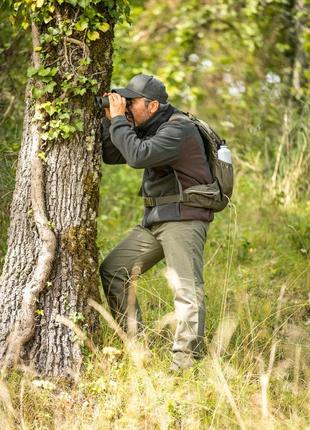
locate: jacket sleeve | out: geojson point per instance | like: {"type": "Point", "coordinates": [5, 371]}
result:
{"type": "Point", "coordinates": [110, 154]}
{"type": "Point", "coordinates": [162, 148]}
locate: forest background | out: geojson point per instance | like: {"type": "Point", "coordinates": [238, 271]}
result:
{"type": "Point", "coordinates": [242, 66]}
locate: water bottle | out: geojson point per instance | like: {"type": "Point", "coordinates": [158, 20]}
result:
{"type": "Point", "coordinates": [224, 153]}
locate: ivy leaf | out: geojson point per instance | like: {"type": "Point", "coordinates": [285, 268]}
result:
{"type": "Point", "coordinates": [104, 27]}
{"type": "Point", "coordinates": [64, 115]}
{"type": "Point", "coordinates": [53, 71]}
{"type": "Point", "coordinates": [25, 25]}
{"type": "Point", "coordinates": [72, 2]}
{"type": "Point", "coordinates": [49, 108]}
{"type": "Point", "coordinates": [43, 156]}
{"type": "Point", "coordinates": [79, 91]}
{"type": "Point", "coordinates": [84, 3]}
{"type": "Point", "coordinates": [49, 88]}
{"type": "Point", "coordinates": [37, 92]}
{"type": "Point", "coordinates": [93, 35]}
{"type": "Point", "coordinates": [78, 125]}
{"type": "Point", "coordinates": [67, 130]}
{"type": "Point", "coordinates": [81, 25]}
{"type": "Point", "coordinates": [44, 72]}
{"type": "Point", "coordinates": [47, 18]}
{"type": "Point", "coordinates": [40, 3]}
{"type": "Point", "coordinates": [84, 62]}
{"type": "Point", "coordinates": [31, 71]}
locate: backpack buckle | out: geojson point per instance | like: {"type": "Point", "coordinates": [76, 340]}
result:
{"type": "Point", "coordinates": [149, 201]}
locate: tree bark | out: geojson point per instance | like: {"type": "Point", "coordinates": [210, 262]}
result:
{"type": "Point", "coordinates": [70, 187]}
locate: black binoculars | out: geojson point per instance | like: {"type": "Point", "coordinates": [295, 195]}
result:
{"type": "Point", "coordinates": [103, 102]}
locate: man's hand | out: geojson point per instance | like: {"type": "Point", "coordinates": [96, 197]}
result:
{"type": "Point", "coordinates": [117, 104]}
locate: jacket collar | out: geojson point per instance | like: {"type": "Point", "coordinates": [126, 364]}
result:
{"type": "Point", "coordinates": [149, 127]}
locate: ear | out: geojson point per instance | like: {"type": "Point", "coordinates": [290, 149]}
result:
{"type": "Point", "coordinates": [154, 106]}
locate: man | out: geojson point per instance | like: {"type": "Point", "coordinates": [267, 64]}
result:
{"type": "Point", "coordinates": [147, 132]}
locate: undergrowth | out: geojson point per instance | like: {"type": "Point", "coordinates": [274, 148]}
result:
{"type": "Point", "coordinates": [255, 373]}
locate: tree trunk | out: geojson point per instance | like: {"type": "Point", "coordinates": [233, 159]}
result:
{"type": "Point", "coordinates": [70, 186]}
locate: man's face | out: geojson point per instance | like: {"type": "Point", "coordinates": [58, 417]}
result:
{"type": "Point", "coordinates": [141, 109]}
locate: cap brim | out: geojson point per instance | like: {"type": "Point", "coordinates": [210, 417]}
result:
{"type": "Point", "coordinates": [124, 92]}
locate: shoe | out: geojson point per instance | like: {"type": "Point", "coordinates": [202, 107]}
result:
{"type": "Point", "coordinates": [176, 370]}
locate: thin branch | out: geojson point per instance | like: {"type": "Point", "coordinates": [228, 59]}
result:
{"type": "Point", "coordinates": [78, 43]}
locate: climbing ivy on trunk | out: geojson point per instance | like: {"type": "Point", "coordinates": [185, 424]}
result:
{"type": "Point", "coordinates": [50, 269]}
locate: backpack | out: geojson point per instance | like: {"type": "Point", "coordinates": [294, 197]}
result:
{"type": "Point", "coordinates": [216, 195]}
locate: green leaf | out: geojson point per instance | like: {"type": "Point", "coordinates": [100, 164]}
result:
{"type": "Point", "coordinates": [67, 128]}
{"type": "Point", "coordinates": [39, 312]}
{"type": "Point", "coordinates": [79, 126]}
{"type": "Point", "coordinates": [53, 71]}
{"type": "Point", "coordinates": [49, 108]}
{"type": "Point", "coordinates": [40, 3]}
{"type": "Point", "coordinates": [93, 35]}
{"type": "Point", "coordinates": [49, 88]}
{"type": "Point", "coordinates": [37, 92]}
{"type": "Point", "coordinates": [31, 71]}
{"type": "Point", "coordinates": [81, 25]}
{"type": "Point", "coordinates": [79, 91]}
{"type": "Point", "coordinates": [25, 25]}
{"type": "Point", "coordinates": [42, 155]}
{"type": "Point", "coordinates": [64, 115]}
{"type": "Point", "coordinates": [85, 61]}
{"type": "Point", "coordinates": [44, 72]}
{"type": "Point", "coordinates": [83, 3]}
{"type": "Point", "coordinates": [103, 27]}
{"type": "Point", "coordinates": [47, 18]}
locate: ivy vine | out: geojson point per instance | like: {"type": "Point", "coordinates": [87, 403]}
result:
{"type": "Point", "coordinates": [53, 89]}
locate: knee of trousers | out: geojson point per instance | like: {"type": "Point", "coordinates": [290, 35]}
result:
{"type": "Point", "coordinates": [113, 280]}
{"type": "Point", "coordinates": [103, 270]}
{"type": "Point", "coordinates": [189, 304]}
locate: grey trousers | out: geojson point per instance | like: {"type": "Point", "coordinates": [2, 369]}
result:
{"type": "Point", "coordinates": [181, 243]}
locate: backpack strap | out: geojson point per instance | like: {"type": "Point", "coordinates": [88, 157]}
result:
{"type": "Point", "coordinates": [151, 202]}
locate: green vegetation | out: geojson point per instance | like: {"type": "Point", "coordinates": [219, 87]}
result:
{"type": "Point", "coordinates": [240, 65]}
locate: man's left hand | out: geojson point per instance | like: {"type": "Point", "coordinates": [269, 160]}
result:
{"type": "Point", "coordinates": [117, 104]}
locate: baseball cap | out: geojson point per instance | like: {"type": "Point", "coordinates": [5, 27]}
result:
{"type": "Point", "coordinates": [144, 86]}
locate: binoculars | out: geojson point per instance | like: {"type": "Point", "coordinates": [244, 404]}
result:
{"type": "Point", "coordinates": [103, 102]}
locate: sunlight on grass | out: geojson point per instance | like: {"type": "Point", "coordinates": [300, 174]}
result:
{"type": "Point", "coordinates": [255, 373]}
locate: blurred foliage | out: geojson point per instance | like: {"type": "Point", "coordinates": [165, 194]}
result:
{"type": "Point", "coordinates": [230, 62]}
{"type": "Point", "coordinates": [15, 58]}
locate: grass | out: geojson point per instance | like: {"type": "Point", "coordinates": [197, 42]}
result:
{"type": "Point", "coordinates": [256, 370]}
